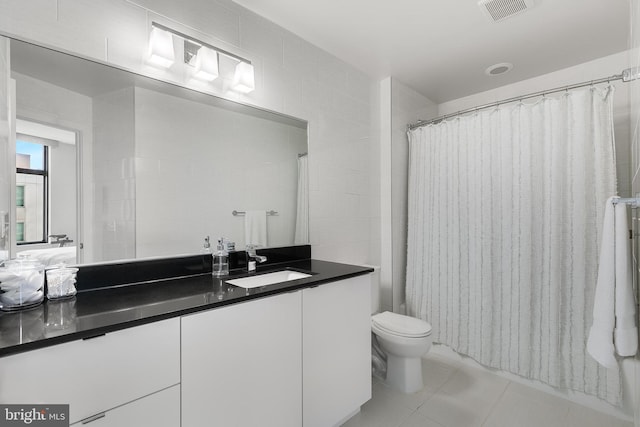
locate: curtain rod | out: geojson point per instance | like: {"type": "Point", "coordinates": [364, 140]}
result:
{"type": "Point", "coordinates": [626, 76]}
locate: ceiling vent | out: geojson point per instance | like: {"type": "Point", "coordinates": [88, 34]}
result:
{"type": "Point", "coordinates": [499, 10]}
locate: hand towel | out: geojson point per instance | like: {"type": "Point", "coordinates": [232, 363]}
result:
{"type": "Point", "coordinates": [255, 228]}
{"type": "Point", "coordinates": [613, 296]}
{"type": "Point", "coordinates": [600, 341]}
{"type": "Point", "coordinates": [626, 333]}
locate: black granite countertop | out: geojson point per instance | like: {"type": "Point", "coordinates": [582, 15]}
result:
{"type": "Point", "coordinates": [96, 312]}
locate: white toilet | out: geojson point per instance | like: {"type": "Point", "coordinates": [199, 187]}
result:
{"type": "Point", "coordinates": [403, 339]}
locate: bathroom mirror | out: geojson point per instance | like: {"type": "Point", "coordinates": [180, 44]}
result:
{"type": "Point", "coordinates": [158, 166]}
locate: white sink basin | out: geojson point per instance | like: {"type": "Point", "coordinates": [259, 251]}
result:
{"type": "Point", "coordinates": [267, 279]}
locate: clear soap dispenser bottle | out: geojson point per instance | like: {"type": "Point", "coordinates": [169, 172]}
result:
{"type": "Point", "coordinates": [206, 248]}
{"type": "Point", "coordinates": [220, 260]}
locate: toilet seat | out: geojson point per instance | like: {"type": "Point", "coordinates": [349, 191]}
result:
{"type": "Point", "coordinates": [399, 325]}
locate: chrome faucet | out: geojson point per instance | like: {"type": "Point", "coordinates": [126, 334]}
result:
{"type": "Point", "coordinates": [61, 239]}
{"type": "Point", "coordinates": [252, 257]}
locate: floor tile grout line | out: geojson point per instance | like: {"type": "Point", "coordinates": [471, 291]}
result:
{"type": "Point", "coordinates": [414, 414]}
{"type": "Point", "coordinates": [437, 389]}
{"type": "Point", "coordinates": [495, 404]}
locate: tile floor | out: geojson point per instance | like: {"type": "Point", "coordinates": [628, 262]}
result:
{"type": "Point", "coordinates": [459, 395]}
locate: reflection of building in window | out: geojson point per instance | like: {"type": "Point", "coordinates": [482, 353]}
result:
{"type": "Point", "coordinates": [20, 196]}
{"type": "Point", "coordinates": [20, 232]}
{"type": "Point", "coordinates": [20, 213]}
{"type": "Point", "coordinates": [31, 192]}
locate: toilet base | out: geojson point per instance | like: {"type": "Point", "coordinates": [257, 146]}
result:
{"type": "Point", "coordinates": [404, 373]}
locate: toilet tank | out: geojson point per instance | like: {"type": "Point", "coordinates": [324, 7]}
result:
{"type": "Point", "coordinates": [375, 288]}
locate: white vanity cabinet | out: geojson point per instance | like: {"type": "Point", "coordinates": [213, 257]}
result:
{"type": "Point", "coordinates": [242, 364]}
{"type": "Point", "coordinates": [97, 374]}
{"type": "Point", "coordinates": [295, 359]}
{"type": "Point", "coordinates": [336, 350]}
{"type": "Point", "coordinates": [301, 358]}
{"type": "Point", "coordinates": [161, 409]}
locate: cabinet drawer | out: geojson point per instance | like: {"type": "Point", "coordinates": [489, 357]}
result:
{"type": "Point", "coordinates": [96, 374]}
{"type": "Point", "coordinates": [161, 409]}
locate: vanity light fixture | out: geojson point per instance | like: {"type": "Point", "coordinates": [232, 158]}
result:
{"type": "Point", "coordinates": [204, 57]}
{"type": "Point", "coordinates": [243, 79]}
{"type": "Point", "coordinates": [160, 48]}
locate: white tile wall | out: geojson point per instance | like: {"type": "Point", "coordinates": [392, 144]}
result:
{"type": "Point", "coordinates": [292, 76]}
{"type": "Point", "coordinates": [63, 190]}
{"type": "Point", "coordinates": [634, 133]}
{"type": "Point", "coordinates": [407, 106]}
{"type": "Point", "coordinates": [114, 175]}
{"type": "Point", "coordinates": [5, 183]}
{"type": "Point", "coordinates": [230, 161]}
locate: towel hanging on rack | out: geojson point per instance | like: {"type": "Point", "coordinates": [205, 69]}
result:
{"type": "Point", "coordinates": [614, 330]}
{"type": "Point", "coordinates": [255, 228]}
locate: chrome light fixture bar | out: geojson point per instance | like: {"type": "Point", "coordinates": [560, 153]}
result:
{"type": "Point", "coordinates": [204, 57]}
{"type": "Point", "coordinates": [200, 43]}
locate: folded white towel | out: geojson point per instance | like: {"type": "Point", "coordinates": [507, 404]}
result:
{"type": "Point", "coordinates": [614, 306]}
{"type": "Point", "coordinates": [600, 341]}
{"type": "Point", "coordinates": [626, 332]}
{"type": "Point", "coordinates": [255, 228]}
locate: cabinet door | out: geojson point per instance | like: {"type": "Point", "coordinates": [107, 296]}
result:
{"type": "Point", "coordinates": [242, 364]}
{"type": "Point", "coordinates": [161, 409]}
{"type": "Point", "coordinates": [97, 374]}
{"type": "Point", "coordinates": [336, 376]}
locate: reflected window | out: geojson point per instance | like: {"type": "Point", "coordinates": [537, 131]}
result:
{"type": "Point", "coordinates": [20, 232]}
{"type": "Point", "coordinates": [31, 192]}
{"type": "Point", "coordinates": [20, 195]}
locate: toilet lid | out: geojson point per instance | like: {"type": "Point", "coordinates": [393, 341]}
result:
{"type": "Point", "coordinates": [398, 324]}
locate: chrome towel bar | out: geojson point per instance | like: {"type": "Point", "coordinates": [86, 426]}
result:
{"type": "Point", "coordinates": [634, 203]}
{"type": "Point", "coordinates": [241, 213]}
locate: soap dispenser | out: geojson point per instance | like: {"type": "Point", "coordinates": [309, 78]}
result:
{"type": "Point", "coordinates": [206, 248]}
{"type": "Point", "coordinates": [220, 260]}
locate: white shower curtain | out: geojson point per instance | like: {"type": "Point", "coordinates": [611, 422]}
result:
{"type": "Point", "coordinates": [301, 236]}
{"type": "Point", "coordinates": [505, 216]}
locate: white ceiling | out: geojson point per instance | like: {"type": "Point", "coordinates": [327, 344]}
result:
{"type": "Point", "coordinates": [442, 47]}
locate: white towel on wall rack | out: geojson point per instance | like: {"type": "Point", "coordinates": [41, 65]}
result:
{"type": "Point", "coordinates": [614, 329]}
{"type": "Point", "coordinates": [255, 228]}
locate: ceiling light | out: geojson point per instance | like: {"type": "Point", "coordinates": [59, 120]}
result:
{"type": "Point", "coordinates": [243, 79]}
{"type": "Point", "coordinates": [160, 48]}
{"type": "Point", "coordinates": [206, 64]}
{"type": "Point", "coordinates": [497, 69]}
